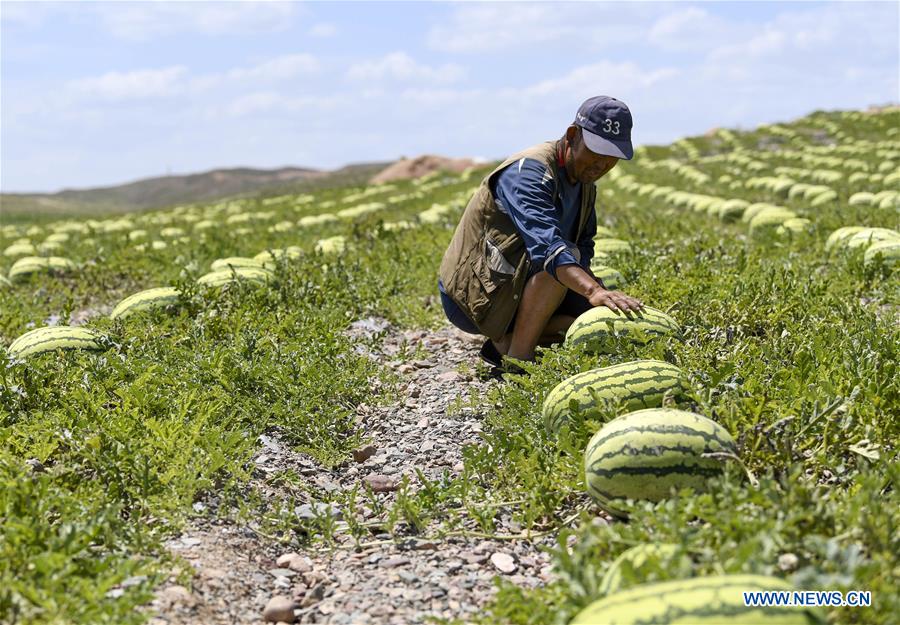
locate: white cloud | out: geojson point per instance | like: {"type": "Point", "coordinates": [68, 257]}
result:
{"type": "Point", "coordinates": [138, 84]}
{"type": "Point", "coordinates": [323, 29]}
{"type": "Point", "coordinates": [691, 28]}
{"type": "Point", "coordinates": [141, 21]}
{"type": "Point", "coordinates": [483, 28]}
{"type": "Point", "coordinates": [400, 66]}
{"type": "Point", "coordinates": [278, 68]}
{"type": "Point", "coordinates": [604, 78]}
{"type": "Point", "coordinates": [273, 102]}
{"type": "Point", "coordinates": [504, 26]}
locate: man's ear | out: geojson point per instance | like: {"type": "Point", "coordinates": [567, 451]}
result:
{"type": "Point", "coordinates": [571, 133]}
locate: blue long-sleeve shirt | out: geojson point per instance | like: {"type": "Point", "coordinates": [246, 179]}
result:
{"type": "Point", "coordinates": [524, 191]}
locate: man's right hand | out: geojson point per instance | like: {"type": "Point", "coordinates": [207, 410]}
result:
{"type": "Point", "coordinates": [614, 300]}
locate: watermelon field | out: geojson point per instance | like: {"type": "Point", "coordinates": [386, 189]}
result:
{"type": "Point", "coordinates": [741, 435]}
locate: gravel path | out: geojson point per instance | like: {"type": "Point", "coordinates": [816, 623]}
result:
{"type": "Point", "coordinates": [237, 575]}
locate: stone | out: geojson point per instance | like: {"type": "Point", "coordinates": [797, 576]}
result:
{"type": "Point", "coordinates": [448, 377]}
{"type": "Point", "coordinates": [311, 511]}
{"type": "Point", "coordinates": [503, 562]}
{"type": "Point", "coordinates": [788, 561]}
{"type": "Point", "coordinates": [364, 453]}
{"type": "Point", "coordinates": [279, 608]}
{"type": "Point", "coordinates": [394, 562]}
{"type": "Point", "coordinates": [284, 560]}
{"type": "Point", "coordinates": [380, 483]}
{"type": "Point", "coordinates": [176, 595]}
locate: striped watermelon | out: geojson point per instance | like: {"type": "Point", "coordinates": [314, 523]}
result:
{"type": "Point", "coordinates": [270, 256]}
{"type": "Point", "coordinates": [770, 218]}
{"type": "Point", "coordinates": [224, 276]}
{"type": "Point", "coordinates": [665, 560]}
{"type": "Point", "coordinates": [871, 235]}
{"type": "Point", "coordinates": [42, 340]}
{"type": "Point", "coordinates": [796, 225]}
{"type": "Point", "coordinates": [840, 235]}
{"type": "Point", "coordinates": [598, 323]}
{"type": "Point", "coordinates": [638, 384]}
{"type": "Point", "coordinates": [237, 261]}
{"type": "Point", "coordinates": [20, 249]}
{"type": "Point", "coordinates": [146, 300]}
{"type": "Point", "coordinates": [646, 454]}
{"type": "Point", "coordinates": [29, 265]}
{"type": "Point", "coordinates": [612, 279]}
{"type": "Point", "coordinates": [331, 245]}
{"type": "Point", "coordinates": [713, 600]}
{"type": "Point", "coordinates": [604, 246]}
{"type": "Point", "coordinates": [732, 210]}
{"type": "Point", "coordinates": [754, 209]}
{"type": "Point", "coordinates": [888, 251]}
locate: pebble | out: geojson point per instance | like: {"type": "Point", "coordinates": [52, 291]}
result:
{"type": "Point", "coordinates": [380, 483]}
{"type": "Point", "coordinates": [394, 562]}
{"type": "Point", "coordinates": [279, 608]}
{"type": "Point", "coordinates": [364, 453]}
{"type": "Point", "coordinates": [503, 562]}
{"type": "Point", "coordinates": [448, 377]}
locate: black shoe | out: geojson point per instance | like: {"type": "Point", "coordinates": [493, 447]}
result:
{"type": "Point", "coordinates": [490, 355]}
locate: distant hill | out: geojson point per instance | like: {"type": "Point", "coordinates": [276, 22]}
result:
{"type": "Point", "coordinates": [407, 168]}
{"type": "Point", "coordinates": [168, 190]}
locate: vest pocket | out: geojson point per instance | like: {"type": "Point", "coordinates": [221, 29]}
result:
{"type": "Point", "coordinates": [493, 272]}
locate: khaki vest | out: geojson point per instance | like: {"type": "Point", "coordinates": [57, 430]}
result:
{"type": "Point", "coordinates": [484, 269]}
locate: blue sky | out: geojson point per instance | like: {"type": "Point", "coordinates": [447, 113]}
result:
{"type": "Point", "coordinates": [104, 93]}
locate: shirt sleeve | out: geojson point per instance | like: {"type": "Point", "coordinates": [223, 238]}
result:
{"type": "Point", "coordinates": [524, 191]}
{"type": "Point", "coordinates": [586, 241]}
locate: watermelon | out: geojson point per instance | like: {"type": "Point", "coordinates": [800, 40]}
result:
{"type": "Point", "coordinates": [237, 261]}
{"type": "Point", "coordinates": [331, 245]}
{"type": "Point", "coordinates": [666, 561]}
{"type": "Point", "coordinates": [713, 600]}
{"type": "Point", "coordinates": [47, 339]}
{"type": "Point", "coordinates": [863, 198]}
{"type": "Point", "coordinates": [638, 384]}
{"type": "Point", "coordinates": [29, 265]}
{"type": "Point", "coordinates": [751, 211]}
{"type": "Point", "coordinates": [871, 235]}
{"type": "Point", "coordinates": [839, 236]}
{"type": "Point", "coordinates": [146, 300]}
{"type": "Point", "coordinates": [646, 454]}
{"type": "Point", "coordinates": [888, 250]}
{"type": "Point", "coordinates": [610, 246]}
{"type": "Point", "coordinates": [20, 249]}
{"type": "Point", "coordinates": [236, 274]}
{"type": "Point", "coordinates": [795, 225]}
{"type": "Point", "coordinates": [612, 279]}
{"type": "Point", "coordinates": [732, 210]}
{"type": "Point", "coordinates": [268, 257]}
{"type": "Point", "coordinates": [770, 218]}
{"type": "Point", "coordinates": [598, 323]}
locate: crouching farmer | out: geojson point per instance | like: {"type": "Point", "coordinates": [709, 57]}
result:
{"type": "Point", "coordinates": [518, 267]}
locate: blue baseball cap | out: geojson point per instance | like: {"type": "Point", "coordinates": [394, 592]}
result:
{"type": "Point", "coordinates": [606, 126]}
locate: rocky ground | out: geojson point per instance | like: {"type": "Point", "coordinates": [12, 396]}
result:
{"type": "Point", "coordinates": [240, 576]}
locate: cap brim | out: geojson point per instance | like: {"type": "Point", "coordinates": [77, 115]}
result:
{"type": "Point", "coordinates": [599, 145]}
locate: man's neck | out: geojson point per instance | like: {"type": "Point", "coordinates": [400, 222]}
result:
{"type": "Point", "coordinates": [561, 160]}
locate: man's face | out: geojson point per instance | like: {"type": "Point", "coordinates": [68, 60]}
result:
{"type": "Point", "coordinates": [582, 164]}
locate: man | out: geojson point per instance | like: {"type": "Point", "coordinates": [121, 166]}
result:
{"type": "Point", "coordinates": [518, 267]}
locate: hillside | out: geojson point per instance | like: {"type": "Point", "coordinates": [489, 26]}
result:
{"type": "Point", "coordinates": [167, 190]}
